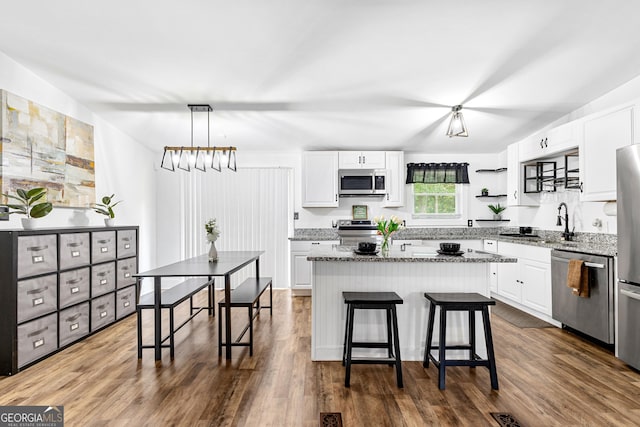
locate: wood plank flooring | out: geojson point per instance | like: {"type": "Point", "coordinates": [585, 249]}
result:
{"type": "Point", "coordinates": [548, 377]}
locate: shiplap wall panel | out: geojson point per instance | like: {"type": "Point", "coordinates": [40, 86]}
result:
{"type": "Point", "coordinates": [252, 208]}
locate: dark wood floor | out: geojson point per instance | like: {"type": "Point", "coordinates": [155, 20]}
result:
{"type": "Point", "coordinates": [547, 377]}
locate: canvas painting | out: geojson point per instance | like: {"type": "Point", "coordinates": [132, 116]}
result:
{"type": "Point", "coordinates": [40, 147]}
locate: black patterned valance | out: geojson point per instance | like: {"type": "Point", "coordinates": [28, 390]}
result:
{"type": "Point", "coordinates": [437, 173]}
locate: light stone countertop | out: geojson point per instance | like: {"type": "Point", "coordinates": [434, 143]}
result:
{"type": "Point", "coordinates": [410, 254]}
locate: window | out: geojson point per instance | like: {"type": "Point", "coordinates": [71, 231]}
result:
{"type": "Point", "coordinates": [436, 200]}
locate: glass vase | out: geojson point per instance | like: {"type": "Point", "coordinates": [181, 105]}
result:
{"type": "Point", "coordinates": [384, 247]}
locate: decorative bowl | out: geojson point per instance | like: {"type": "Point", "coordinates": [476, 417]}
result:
{"type": "Point", "coordinates": [366, 247]}
{"type": "Point", "coordinates": [449, 247]}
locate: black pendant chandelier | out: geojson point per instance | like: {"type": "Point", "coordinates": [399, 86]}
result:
{"type": "Point", "coordinates": [198, 157]}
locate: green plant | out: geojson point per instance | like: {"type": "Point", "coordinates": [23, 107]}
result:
{"type": "Point", "coordinates": [484, 191]}
{"type": "Point", "coordinates": [106, 207]}
{"type": "Point", "coordinates": [497, 209]}
{"type": "Point", "coordinates": [31, 203]}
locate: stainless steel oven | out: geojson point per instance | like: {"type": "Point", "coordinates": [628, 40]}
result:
{"type": "Point", "coordinates": [593, 316]}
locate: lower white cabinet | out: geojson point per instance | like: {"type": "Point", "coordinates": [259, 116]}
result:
{"type": "Point", "coordinates": [527, 282]}
{"type": "Point", "coordinates": [300, 267]}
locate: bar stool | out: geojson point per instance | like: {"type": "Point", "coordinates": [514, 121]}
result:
{"type": "Point", "coordinates": [470, 302]}
{"type": "Point", "coordinates": [372, 301]}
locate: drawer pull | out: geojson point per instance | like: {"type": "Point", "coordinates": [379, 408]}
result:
{"type": "Point", "coordinates": [74, 281]}
{"type": "Point", "coordinates": [103, 273]}
{"type": "Point", "coordinates": [74, 290]}
{"type": "Point", "coordinates": [74, 244]}
{"type": "Point", "coordinates": [38, 301]}
{"type": "Point", "coordinates": [74, 326]}
{"type": "Point", "coordinates": [630, 294]}
{"type": "Point", "coordinates": [38, 332]}
{"type": "Point", "coordinates": [37, 248]}
{"type": "Point", "coordinates": [101, 306]}
{"type": "Point", "coordinates": [75, 254]}
{"type": "Point", "coordinates": [126, 239]}
{"type": "Point", "coordinates": [72, 318]}
{"type": "Point", "coordinates": [593, 265]}
{"type": "Point", "coordinates": [37, 291]}
{"type": "Point", "coordinates": [104, 241]}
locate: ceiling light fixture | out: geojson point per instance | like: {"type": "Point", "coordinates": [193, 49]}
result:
{"type": "Point", "coordinates": [457, 127]}
{"type": "Point", "coordinates": [196, 157]}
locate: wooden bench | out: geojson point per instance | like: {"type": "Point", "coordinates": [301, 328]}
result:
{"type": "Point", "coordinates": [247, 294]}
{"type": "Point", "coordinates": [170, 299]}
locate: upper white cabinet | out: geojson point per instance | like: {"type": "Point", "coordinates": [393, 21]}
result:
{"type": "Point", "coordinates": [546, 144]}
{"type": "Point", "coordinates": [603, 134]}
{"type": "Point", "coordinates": [361, 160]}
{"type": "Point", "coordinates": [515, 180]}
{"type": "Point", "coordinates": [320, 179]}
{"type": "Point", "coordinates": [394, 161]}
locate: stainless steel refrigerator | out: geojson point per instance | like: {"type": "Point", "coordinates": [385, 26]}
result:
{"type": "Point", "coordinates": [628, 189]}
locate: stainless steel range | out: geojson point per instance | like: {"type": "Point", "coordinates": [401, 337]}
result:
{"type": "Point", "coordinates": [352, 232]}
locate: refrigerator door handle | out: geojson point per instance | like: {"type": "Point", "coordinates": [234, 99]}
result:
{"type": "Point", "coordinates": [630, 294]}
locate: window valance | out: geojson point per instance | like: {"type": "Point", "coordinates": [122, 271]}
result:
{"type": "Point", "coordinates": [436, 173]}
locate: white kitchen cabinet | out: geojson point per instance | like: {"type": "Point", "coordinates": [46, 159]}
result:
{"type": "Point", "coordinates": [361, 160]}
{"type": "Point", "coordinates": [515, 180]}
{"type": "Point", "coordinates": [320, 179]}
{"type": "Point", "coordinates": [300, 267]}
{"type": "Point", "coordinates": [528, 282]}
{"type": "Point", "coordinates": [490, 245]}
{"type": "Point", "coordinates": [549, 143]}
{"type": "Point", "coordinates": [395, 184]}
{"type": "Point", "coordinates": [603, 134]}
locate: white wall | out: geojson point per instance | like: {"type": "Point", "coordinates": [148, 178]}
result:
{"type": "Point", "coordinates": [123, 165]}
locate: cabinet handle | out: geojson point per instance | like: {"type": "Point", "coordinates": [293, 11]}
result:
{"type": "Point", "coordinates": [545, 143]}
{"type": "Point", "coordinates": [581, 186]}
{"type": "Point", "coordinates": [72, 318]}
{"type": "Point", "coordinates": [38, 332]}
{"type": "Point", "coordinates": [593, 264]}
{"type": "Point", "coordinates": [37, 248]}
{"type": "Point", "coordinates": [315, 243]}
{"type": "Point", "coordinates": [37, 291]}
{"type": "Point", "coordinates": [364, 160]}
{"type": "Point", "coordinates": [515, 194]}
{"type": "Point", "coordinates": [336, 197]}
{"type": "Point", "coordinates": [541, 143]}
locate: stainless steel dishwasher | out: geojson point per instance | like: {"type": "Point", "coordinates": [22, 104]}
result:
{"type": "Point", "coordinates": [593, 316]}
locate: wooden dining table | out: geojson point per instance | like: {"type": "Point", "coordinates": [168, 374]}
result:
{"type": "Point", "coordinates": [228, 263]}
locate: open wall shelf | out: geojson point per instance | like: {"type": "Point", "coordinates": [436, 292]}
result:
{"type": "Point", "coordinates": [491, 170]}
{"type": "Point", "coordinates": [493, 220]}
{"type": "Point", "coordinates": [492, 195]}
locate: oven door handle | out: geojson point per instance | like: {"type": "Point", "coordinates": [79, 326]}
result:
{"type": "Point", "coordinates": [630, 294]}
{"type": "Point", "coordinates": [593, 264]}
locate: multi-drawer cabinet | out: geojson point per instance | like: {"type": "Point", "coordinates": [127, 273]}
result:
{"type": "Point", "coordinates": [58, 286]}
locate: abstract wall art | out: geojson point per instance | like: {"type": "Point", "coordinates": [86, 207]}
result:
{"type": "Point", "coordinates": [40, 147]}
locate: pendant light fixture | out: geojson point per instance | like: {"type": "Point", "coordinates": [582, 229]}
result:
{"type": "Point", "coordinates": [457, 127]}
{"type": "Point", "coordinates": [196, 157]}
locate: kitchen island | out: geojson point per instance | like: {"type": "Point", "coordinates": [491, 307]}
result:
{"type": "Point", "coordinates": [409, 273]}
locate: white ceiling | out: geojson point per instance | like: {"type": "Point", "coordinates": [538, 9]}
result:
{"type": "Point", "coordinates": [328, 74]}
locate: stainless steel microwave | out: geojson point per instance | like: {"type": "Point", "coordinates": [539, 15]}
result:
{"type": "Point", "coordinates": [362, 182]}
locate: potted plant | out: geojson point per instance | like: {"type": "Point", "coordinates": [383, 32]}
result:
{"type": "Point", "coordinates": [497, 211]}
{"type": "Point", "coordinates": [31, 204]}
{"type": "Point", "coordinates": [484, 191]}
{"type": "Point", "coordinates": [213, 232]}
{"type": "Point", "coordinates": [106, 208]}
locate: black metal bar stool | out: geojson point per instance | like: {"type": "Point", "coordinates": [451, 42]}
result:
{"type": "Point", "coordinates": [372, 301]}
{"type": "Point", "coordinates": [471, 303]}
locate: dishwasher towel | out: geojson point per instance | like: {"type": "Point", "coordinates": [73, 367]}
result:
{"type": "Point", "coordinates": [578, 278]}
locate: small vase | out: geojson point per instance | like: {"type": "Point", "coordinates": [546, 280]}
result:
{"type": "Point", "coordinates": [497, 217]}
{"type": "Point", "coordinates": [213, 252]}
{"type": "Point", "coordinates": [384, 248]}
{"type": "Point", "coordinates": [28, 223]}
{"type": "Point", "coordinates": [109, 222]}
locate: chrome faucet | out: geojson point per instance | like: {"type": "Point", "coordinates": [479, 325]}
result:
{"type": "Point", "coordinates": [566, 234]}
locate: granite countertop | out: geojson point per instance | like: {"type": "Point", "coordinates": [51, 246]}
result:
{"type": "Point", "coordinates": [411, 254]}
{"type": "Point", "coordinates": [591, 243]}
